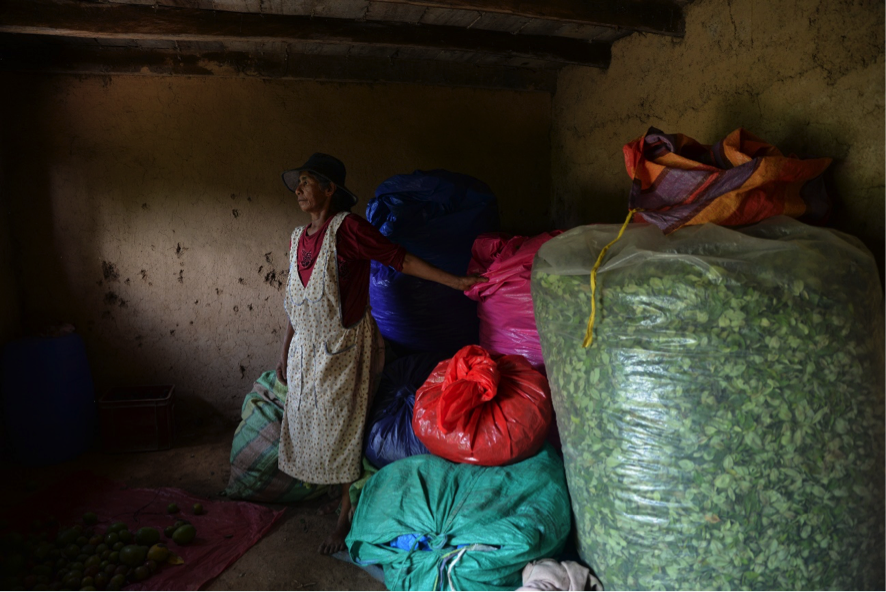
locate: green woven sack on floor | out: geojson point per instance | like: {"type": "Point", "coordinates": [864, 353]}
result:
{"type": "Point", "coordinates": [475, 527]}
{"type": "Point", "coordinates": [254, 473]}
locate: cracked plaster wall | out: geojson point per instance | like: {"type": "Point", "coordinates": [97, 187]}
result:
{"type": "Point", "coordinates": [804, 75]}
{"type": "Point", "coordinates": [149, 212]}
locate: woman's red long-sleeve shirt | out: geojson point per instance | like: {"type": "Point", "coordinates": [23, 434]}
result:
{"type": "Point", "coordinates": [357, 243]}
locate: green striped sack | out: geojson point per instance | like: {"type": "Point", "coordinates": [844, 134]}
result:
{"type": "Point", "coordinates": [254, 473]}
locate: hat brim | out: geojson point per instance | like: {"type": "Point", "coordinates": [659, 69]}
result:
{"type": "Point", "coordinates": [290, 179]}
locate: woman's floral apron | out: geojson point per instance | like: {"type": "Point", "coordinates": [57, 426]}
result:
{"type": "Point", "coordinates": [330, 371]}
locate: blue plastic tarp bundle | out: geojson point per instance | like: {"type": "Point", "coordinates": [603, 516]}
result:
{"type": "Point", "coordinates": [436, 215]}
{"type": "Point", "coordinates": [390, 436]}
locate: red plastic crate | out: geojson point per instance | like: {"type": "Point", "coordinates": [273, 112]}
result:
{"type": "Point", "coordinates": [137, 418]}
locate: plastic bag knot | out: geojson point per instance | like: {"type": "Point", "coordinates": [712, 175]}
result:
{"type": "Point", "coordinates": [471, 379]}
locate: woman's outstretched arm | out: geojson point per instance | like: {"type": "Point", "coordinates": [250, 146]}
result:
{"type": "Point", "coordinates": [420, 268]}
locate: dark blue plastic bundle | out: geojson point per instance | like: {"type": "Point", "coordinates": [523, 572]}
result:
{"type": "Point", "coordinates": [436, 215]}
{"type": "Point", "coordinates": [389, 433]}
{"type": "Point", "coordinates": [417, 315]}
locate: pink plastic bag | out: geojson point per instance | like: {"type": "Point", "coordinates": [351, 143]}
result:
{"type": "Point", "coordinates": [483, 409]}
{"type": "Point", "coordinates": [507, 323]}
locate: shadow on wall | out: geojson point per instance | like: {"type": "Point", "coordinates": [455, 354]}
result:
{"type": "Point", "coordinates": [606, 210]}
{"type": "Point", "coordinates": [71, 218]}
{"type": "Point", "coordinates": [33, 188]}
{"type": "Point", "coordinates": [591, 202]}
{"type": "Point", "coordinates": [10, 298]}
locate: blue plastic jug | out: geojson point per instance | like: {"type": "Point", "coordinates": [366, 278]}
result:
{"type": "Point", "coordinates": [48, 399]}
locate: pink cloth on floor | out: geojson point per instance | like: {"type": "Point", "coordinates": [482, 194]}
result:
{"type": "Point", "coordinates": [225, 531]}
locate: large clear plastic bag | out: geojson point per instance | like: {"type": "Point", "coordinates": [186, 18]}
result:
{"type": "Point", "coordinates": [724, 429]}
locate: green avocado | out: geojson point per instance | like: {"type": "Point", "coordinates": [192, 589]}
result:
{"type": "Point", "coordinates": [183, 535]}
{"type": "Point", "coordinates": [133, 555]}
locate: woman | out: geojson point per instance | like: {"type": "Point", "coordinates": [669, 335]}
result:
{"type": "Point", "coordinates": [332, 349]}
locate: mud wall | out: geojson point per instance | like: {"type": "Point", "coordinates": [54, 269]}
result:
{"type": "Point", "coordinates": [804, 75]}
{"type": "Point", "coordinates": [149, 212]}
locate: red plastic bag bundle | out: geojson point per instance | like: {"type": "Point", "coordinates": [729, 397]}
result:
{"type": "Point", "coordinates": [483, 409]}
{"type": "Point", "coordinates": [507, 323]}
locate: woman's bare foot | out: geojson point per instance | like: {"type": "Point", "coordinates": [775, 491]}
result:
{"type": "Point", "coordinates": [335, 542]}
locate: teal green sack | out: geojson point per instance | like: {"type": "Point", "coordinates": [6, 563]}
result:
{"type": "Point", "coordinates": [475, 527]}
{"type": "Point", "coordinates": [254, 473]}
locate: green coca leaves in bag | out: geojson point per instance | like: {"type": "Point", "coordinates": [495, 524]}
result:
{"type": "Point", "coordinates": [725, 428]}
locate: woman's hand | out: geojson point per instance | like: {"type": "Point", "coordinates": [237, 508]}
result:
{"type": "Point", "coordinates": [466, 282]}
{"type": "Point", "coordinates": [420, 268]}
{"type": "Point", "coordinates": [281, 370]}
{"type": "Point", "coordinates": [284, 354]}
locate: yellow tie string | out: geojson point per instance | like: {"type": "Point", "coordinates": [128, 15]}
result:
{"type": "Point", "coordinates": [589, 335]}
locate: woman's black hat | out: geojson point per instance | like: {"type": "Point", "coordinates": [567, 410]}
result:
{"type": "Point", "coordinates": [323, 165]}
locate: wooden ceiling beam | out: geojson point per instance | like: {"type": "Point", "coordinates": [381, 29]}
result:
{"type": "Point", "coordinates": [664, 17]}
{"type": "Point", "coordinates": [106, 61]}
{"type": "Point", "coordinates": [120, 21]}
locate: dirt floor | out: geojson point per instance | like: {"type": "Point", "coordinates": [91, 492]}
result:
{"type": "Point", "coordinates": [284, 559]}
